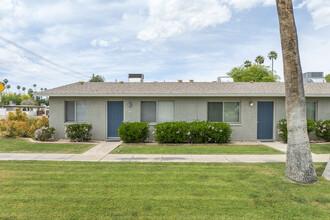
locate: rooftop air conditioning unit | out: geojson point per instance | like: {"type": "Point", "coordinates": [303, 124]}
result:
{"type": "Point", "coordinates": [135, 77]}
{"type": "Point", "coordinates": [225, 79]}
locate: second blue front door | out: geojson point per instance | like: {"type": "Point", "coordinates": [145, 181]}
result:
{"type": "Point", "coordinates": [265, 120]}
{"type": "Point", "coordinates": [115, 117]}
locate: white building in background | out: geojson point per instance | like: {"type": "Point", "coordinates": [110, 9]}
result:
{"type": "Point", "coordinates": [316, 77]}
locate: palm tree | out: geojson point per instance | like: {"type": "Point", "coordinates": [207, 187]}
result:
{"type": "Point", "coordinates": [7, 88]}
{"type": "Point", "coordinates": [260, 60]}
{"type": "Point", "coordinates": [5, 81]}
{"type": "Point", "coordinates": [23, 89]}
{"type": "Point", "coordinates": [18, 88]}
{"type": "Point", "coordinates": [247, 63]}
{"type": "Point", "coordinates": [30, 92]}
{"type": "Point", "coordinates": [35, 86]}
{"type": "Point", "coordinates": [299, 163]}
{"type": "Point", "coordinates": [45, 88]}
{"type": "Point", "coordinates": [272, 55]}
{"type": "Point", "coordinates": [41, 89]}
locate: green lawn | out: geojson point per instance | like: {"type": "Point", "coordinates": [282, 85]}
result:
{"type": "Point", "coordinates": [85, 190]}
{"type": "Point", "coordinates": [24, 146]}
{"type": "Point", "coordinates": [320, 148]}
{"type": "Point", "coordinates": [207, 149]}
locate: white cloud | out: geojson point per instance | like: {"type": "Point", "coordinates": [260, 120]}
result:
{"type": "Point", "coordinates": [320, 11]}
{"type": "Point", "coordinates": [104, 43]}
{"type": "Point", "coordinates": [172, 17]}
{"type": "Point", "coordinates": [246, 4]}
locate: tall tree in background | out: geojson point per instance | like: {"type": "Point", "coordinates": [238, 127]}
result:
{"type": "Point", "coordinates": [23, 89]}
{"type": "Point", "coordinates": [35, 86]}
{"type": "Point", "coordinates": [256, 73]}
{"type": "Point", "coordinates": [259, 60]}
{"type": "Point", "coordinates": [97, 78]}
{"type": "Point", "coordinates": [18, 88]}
{"type": "Point", "coordinates": [5, 81]}
{"type": "Point", "coordinates": [247, 63]}
{"type": "Point", "coordinates": [299, 163]}
{"type": "Point", "coordinates": [7, 88]}
{"type": "Point", "coordinates": [30, 92]}
{"type": "Point", "coordinates": [272, 55]}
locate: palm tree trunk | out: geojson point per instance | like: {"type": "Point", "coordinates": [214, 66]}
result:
{"type": "Point", "coordinates": [272, 66]}
{"type": "Point", "coordinates": [299, 163]}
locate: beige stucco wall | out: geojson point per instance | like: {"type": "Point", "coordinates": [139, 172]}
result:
{"type": "Point", "coordinates": [186, 109]}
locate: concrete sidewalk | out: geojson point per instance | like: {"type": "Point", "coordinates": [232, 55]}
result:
{"type": "Point", "coordinates": [100, 153]}
{"type": "Point", "coordinates": [276, 145]}
{"type": "Point", "coordinates": [156, 158]}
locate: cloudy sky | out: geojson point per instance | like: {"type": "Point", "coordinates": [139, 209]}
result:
{"type": "Point", "coordinates": [164, 39]}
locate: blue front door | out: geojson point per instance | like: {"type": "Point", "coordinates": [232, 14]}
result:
{"type": "Point", "coordinates": [265, 120]}
{"type": "Point", "coordinates": [115, 117]}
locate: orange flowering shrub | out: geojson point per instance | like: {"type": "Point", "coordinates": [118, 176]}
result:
{"type": "Point", "coordinates": [18, 124]}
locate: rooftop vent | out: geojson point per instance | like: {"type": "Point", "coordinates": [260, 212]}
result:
{"type": "Point", "coordinates": [180, 80]}
{"type": "Point", "coordinates": [81, 82]}
{"type": "Point", "coordinates": [225, 79]}
{"type": "Point", "coordinates": [135, 77]}
{"type": "Point", "coordinates": [191, 80]}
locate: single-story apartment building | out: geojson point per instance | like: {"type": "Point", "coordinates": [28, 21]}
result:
{"type": "Point", "coordinates": [251, 108]}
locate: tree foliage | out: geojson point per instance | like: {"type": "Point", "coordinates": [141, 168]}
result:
{"type": "Point", "coordinates": [255, 72]}
{"type": "Point", "coordinates": [259, 60]}
{"type": "Point", "coordinates": [6, 98]}
{"type": "Point", "coordinates": [272, 55]}
{"type": "Point", "coordinates": [327, 78]}
{"type": "Point", "coordinates": [97, 78]}
{"type": "Point", "coordinates": [247, 63]}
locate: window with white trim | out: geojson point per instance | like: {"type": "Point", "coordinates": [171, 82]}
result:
{"type": "Point", "coordinates": [75, 111]}
{"type": "Point", "coordinates": [165, 111]}
{"type": "Point", "coordinates": [161, 111]}
{"type": "Point", "coordinates": [223, 112]}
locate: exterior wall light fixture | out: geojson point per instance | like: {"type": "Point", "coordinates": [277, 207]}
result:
{"type": "Point", "coordinates": [251, 103]}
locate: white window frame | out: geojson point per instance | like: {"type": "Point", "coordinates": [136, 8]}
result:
{"type": "Point", "coordinates": [157, 109]}
{"type": "Point", "coordinates": [223, 112]}
{"type": "Point", "coordinates": [75, 111]}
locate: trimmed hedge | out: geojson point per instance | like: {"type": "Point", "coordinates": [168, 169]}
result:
{"type": "Point", "coordinates": [79, 132]}
{"type": "Point", "coordinates": [322, 130]}
{"type": "Point", "coordinates": [171, 132]}
{"type": "Point", "coordinates": [194, 132]}
{"type": "Point", "coordinates": [133, 132]}
{"type": "Point", "coordinates": [283, 129]}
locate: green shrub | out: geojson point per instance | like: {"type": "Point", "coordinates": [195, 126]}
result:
{"type": "Point", "coordinates": [133, 132]}
{"type": "Point", "coordinates": [322, 130]}
{"type": "Point", "coordinates": [195, 132]}
{"type": "Point", "coordinates": [44, 134]}
{"type": "Point", "coordinates": [79, 132]}
{"type": "Point", "coordinates": [18, 124]}
{"type": "Point", "coordinates": [283, 129]}
{"type": "Point", "coordinates": [171, 132]}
